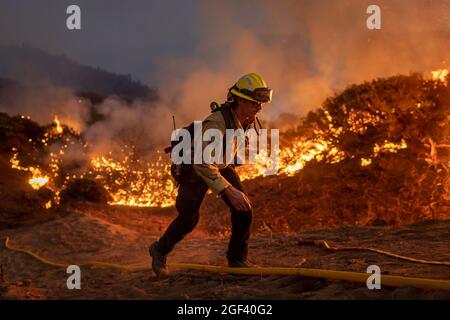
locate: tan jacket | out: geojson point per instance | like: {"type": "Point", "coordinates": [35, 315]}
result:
{"type": "Point", "coordinates": [210, 172]}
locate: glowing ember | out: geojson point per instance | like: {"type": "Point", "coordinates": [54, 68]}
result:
{"type": "Point", "coordinates": [365, 162]}
{"type": "Point", "coordinates": [389, 147]}
{"type": "Point", "coordinates": [359, 121]}
{"type": "Point", "coordinates": [15, 164]}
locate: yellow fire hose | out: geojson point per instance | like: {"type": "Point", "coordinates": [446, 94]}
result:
{"type": "Point", "coordinates": [324, 244]}
{"type": "Point", "coordinates": [386, 280]}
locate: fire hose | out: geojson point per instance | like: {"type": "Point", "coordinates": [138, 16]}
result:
{"type": "Point", "coordinates": [386, 280]}
{"type": "Point", "coordinates": [324, 244]}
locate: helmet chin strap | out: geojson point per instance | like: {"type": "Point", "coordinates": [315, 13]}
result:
{"type": "Point", "coordinates": [259, 124]}
{"type": "Point", "coordinates": [247, 120]}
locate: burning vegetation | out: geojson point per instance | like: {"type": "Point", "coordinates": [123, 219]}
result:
{"type": "Point", "coordinates": [375, 154]}
{"type": "Point", "coordinates": [378, 152]}
{"type": "Point", "coordinates": [394, 141]}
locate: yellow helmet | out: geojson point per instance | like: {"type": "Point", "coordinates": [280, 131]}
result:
{"type": "Point", "coordinates": [252, 87]}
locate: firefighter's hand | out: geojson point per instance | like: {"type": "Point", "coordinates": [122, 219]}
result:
{"type": "Point", "coordinates": [238, 199]}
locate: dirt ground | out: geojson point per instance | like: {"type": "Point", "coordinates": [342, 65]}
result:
{"type": "Point", "coordinates": [122, 235]}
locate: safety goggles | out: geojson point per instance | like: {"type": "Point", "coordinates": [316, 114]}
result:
{"type": "Point", "coordinates": [259, 94]}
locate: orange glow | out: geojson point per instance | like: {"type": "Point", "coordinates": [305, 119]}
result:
{"type": "Point", "coordinates": [440, 75]}
{"type": "Point", "coordinates": [133, 181]}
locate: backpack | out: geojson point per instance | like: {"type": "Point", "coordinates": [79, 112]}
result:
{"type": "Point", "coordinates": [185, 172]}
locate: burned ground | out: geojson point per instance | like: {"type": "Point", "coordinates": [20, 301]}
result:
{"type": "Point", "coordinates": [92, 232]}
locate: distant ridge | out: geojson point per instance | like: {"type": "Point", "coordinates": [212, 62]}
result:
{"type": "Point", "coordinates": [33, 66]}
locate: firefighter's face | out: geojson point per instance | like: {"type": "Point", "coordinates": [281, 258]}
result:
{"type": "Point", "coordinates": [250, 108]}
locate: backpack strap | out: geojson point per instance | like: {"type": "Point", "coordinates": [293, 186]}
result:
{"type": "Point", "coordinates": [225, 109]}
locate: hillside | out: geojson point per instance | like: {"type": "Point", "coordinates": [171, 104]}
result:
{"type": "Point", "coordinates": [31, 66]}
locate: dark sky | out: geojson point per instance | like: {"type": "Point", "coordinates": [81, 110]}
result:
{"type": "Point", "coordinates": [120, 36]}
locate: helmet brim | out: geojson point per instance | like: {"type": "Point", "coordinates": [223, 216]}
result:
{"type": "Point", "coordinates": [264, 96]}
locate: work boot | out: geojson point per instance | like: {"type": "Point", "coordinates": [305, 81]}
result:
{"type": "Point", "coordinates": [241, 263]}
{"type": "Point", "coordinates": [159, 260]}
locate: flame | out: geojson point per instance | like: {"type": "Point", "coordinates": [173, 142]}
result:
{"type": "Point", "coordinates": [45, 177]}
{"type": "Point", "coordinates": [37, 180]}
{"type": "Point", "coordinates": [59, 129]}
{"type": "Point", "coordinates": [134, 181]}
{"type": "Point", "coordinates": [365, 162]}
{"type": "Point", "coordinates": [440, 75]}
{"type": "Point", "coordinates": [293, 158]}
{"type": "Point", "coordinates": [48, 204]}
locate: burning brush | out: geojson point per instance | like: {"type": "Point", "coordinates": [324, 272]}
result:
{"type": "Point", "coordinates": [340, 130]}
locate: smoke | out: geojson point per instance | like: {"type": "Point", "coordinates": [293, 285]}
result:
{"type": "Point", "coordinates": [43, 102]}
{"type": "Point", "coordinates": [143, 125]}
{"type": "Point", "coordinates": [307, 50]}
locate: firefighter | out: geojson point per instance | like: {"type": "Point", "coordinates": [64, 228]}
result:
{"type": "Point", "coordinates": [244, 101]}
